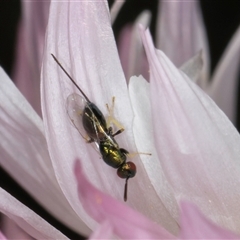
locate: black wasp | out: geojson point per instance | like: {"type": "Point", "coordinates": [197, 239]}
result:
{"type": "Point", "coordinates": [95, 126]}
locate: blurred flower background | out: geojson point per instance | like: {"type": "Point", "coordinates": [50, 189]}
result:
{"type": "Point", "coordinates": [221, 20]}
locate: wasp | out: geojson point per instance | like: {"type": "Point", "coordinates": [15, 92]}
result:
{"type": "Point", "coordinates": [95, 125]}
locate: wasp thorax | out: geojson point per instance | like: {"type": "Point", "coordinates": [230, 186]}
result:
{"type": "Point", "coordinates": [127, 170]}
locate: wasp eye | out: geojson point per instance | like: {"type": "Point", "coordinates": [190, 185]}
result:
{"type": "Point", "coordinates": [127, 170]}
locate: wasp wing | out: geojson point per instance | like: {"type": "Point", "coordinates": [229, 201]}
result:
{"type": "Point", "coordinates": [75, 106]}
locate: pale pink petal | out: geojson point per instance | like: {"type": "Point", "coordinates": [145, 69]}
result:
{"type": "Point", "coordinates": [197, 146]}
{"type": "Point", "coordinates": [131, 52]}
{"type": "Point", "coordinates": [126, 222]}
{"type": "Point", "coordinates": [11, 230]}
{"type": "Point", "coordinates": [181, 33]}
{"type": "Point", "coordinates": [124, 47]}
{"type": "Point", "coordinates": [2, 237]}
{"type": "Point", "coordinates": [194, 225]}
{"type": "Point", "coordinates": [26, 219]}
{"type": "Point", "coordinates": [80, 35]}
{"type": "Point", "coordinates": [24, 153]}
{"type": "Point", "coordinates": [103, 231]}
{"type": "Point", "coordinates": [31, 35]}
{"type": "Point", "coordinates": [115, 9]}
{"type": "Point", "coordinates": [223, 88]}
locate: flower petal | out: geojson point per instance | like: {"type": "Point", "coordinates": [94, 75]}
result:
{"type": "Point", "coordinates": [194, 225]}
{"type": "Point", "coordinates": [2, 237]}
{"type": "Point", "coordinates": [193, 67]}
{"type": "Point", "coordinates": [165, 211]}
{"type": "Point", "coordinates": [126, 222]}
{"type": "Point", "coordinates": [31, 35]}
{"type": "Point", "coordinates": [115, 9]}
{"type": "Point", "coordinates": [11, 230]}
{"type": "Point", "coordinates": [131, 52]}
{"type": "Point", "coordinates": [27, 219]}
{"type": "Point", "coordinates": [24, 153]}
{"type": "Point", "coordinates": [197, 145]}
{"type": "Point", "coordinates": [80, 35]}
{"type": "Point", "coordinates": [103, 231]}
{"type": "Point", "coordinates": [181, 33]}
{"type": "Point", "coordinates": [223, 88]}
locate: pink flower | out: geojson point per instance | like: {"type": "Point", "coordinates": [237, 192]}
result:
{"type": "Point", "coordinates": [2, 237]}
{"type": "Point", "coordinates": [30, 44]}
{"type": "Point", "coordinates": [195, 149]}
{"type": "Point", "coordinates": [117, 218]}
{"type": "Point", "coordinates": [181, 34]}
{"type": "Point", "coordinates": [25, 218]}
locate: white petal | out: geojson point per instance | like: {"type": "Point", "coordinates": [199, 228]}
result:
{"type": "Point", "coordinates": [165, 210]}
{"type": "Point", "coordinates": [223, 88]}
{"type": "Point", "coordinates": [24, 152]}
{"type": "Point", "coordinates": [30, 222]}
{"type": "Point", "coordinates": [193, 67]}
{"type": "Point", "coordinates": [194, 225]}
{"type": "Point", "coordinates": [181, 33]}
{"type": "Point", "coordinates": [198, 147]}
{"type": "Point", "coordinates": [80, 35]}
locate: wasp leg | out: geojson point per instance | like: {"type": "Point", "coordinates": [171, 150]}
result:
{"type": "Point", "coordinates": [110, 109]}
{"type": "Point", "coordinates": [88, 139]}
{"type": "Point", "coordinates": [118, 132]}
{"type": "Point", "coordinates": [131, 155]}
{"type": "Point", "coordinates": [134, 154]}
{"type": "Point", "coordinates": [111, 120]}
{"type": "Point", "coordinates": [124, 151]}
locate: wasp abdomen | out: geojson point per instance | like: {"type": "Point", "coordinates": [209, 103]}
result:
{"type": "Point", "coordinates": [94, 122]}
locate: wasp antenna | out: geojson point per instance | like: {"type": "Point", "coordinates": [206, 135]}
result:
{"type": "Point", "coordinates": [60, 65]}
{"type": "Point", "coordinates": [125, 190]}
